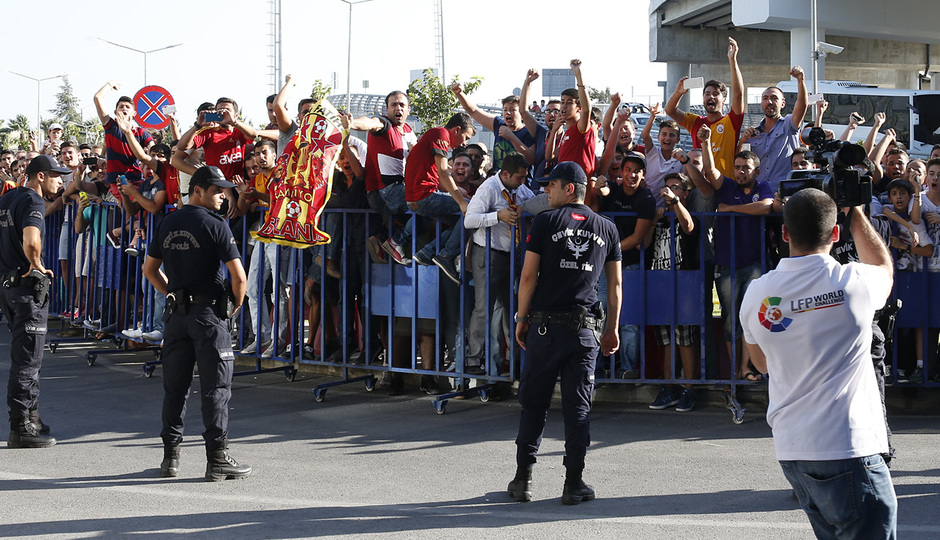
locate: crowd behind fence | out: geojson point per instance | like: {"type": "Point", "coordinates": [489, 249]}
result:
{"type": "Point", "coordinates": [376, 318]}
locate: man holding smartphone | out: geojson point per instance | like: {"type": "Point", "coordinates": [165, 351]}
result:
{"type": "Point", "coordinates": [724, 127]}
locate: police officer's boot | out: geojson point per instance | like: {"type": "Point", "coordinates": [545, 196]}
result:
{"type": "Point", "coordinates": [34, 417]}
{"type": "Point", "coordinates": [171, 460]}
{"type": "Point", "coordinates": [222, 466]}
{"type": "Point", "coordinates": [576, 491]}
{"type": "Point", "coordinates": [520, 489]}
{"type": "Point", "coordinates": [25, 434]}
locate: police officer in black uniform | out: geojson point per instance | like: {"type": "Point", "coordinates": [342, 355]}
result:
{"type": "Point", "coordinates": [191, 243]}
{"type": "Point", "coordinates": [560, 324]}
{"type": "Point", "coordinates": [24, 290]}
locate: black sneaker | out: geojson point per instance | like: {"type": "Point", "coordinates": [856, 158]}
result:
{"type": "Point", "coordinates": [429, 386]}
{"type": "Point", "coordinates": [446, 264]}
{"type": "Point", "coordinates": [577, 493]}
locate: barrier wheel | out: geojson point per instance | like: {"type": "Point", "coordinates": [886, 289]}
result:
{"type": "Point", "coordinates": [148, 371]}
{"type": "Point", "coordinates": [291, 374]}
{"type": "Point", "coordinates": [91, 359]}
{"type": "Point", "coordinates": [370, 384]}
{"type": "Point", "coordinates": [440, 406]}
{"type": "Point", "coordinates": [484, 395]}
{"type": "Point", "coordinates": [737, 415]}
{"type": "Point", "coordinates": [53, 347]}
{"type": "Point", "coordinates": [319, 394]}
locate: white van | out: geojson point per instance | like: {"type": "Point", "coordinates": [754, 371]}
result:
{"type": "Point", "coordinates": [913, 114]}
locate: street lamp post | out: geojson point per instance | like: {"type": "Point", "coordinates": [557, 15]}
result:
{"type": "Point", "coordinates": [349, 51]}
{"type": "Point", "coordinates": [38, 85]}
{"type": "Point", "coordinates": [145, 53]}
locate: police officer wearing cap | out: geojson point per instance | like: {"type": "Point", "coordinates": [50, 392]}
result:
{"type": "Point", "coordinates": [24, 291]}
{"type": "Point", "coordinates": [560, 324]}
{"type": "Point", "coordinates": [191, 243]}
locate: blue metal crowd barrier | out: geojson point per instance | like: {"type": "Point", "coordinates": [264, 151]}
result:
{"type": "Point", "coordinates": [414, 301]}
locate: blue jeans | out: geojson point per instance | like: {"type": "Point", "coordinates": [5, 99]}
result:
{"type": "Point", "coordinates": [443, 208]}
{"type": "Point", "coordinates": [847, 498]}
{"type": "Point", "coordinates": [734, 281]}
{"type": "Point", "coordinates": [394, 197]}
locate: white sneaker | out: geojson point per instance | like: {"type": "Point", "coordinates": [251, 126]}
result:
{"type": "Point", "coordinates": [253, 347]}
{"type": "Point", "coordinates": [153, 337]}
{"type": "Point", "coordinates": [269, 350]}
{"type": "Point", "coordinates": [133, 333]}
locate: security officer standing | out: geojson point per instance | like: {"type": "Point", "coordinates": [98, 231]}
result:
{"type": "Point", "coordinates": [191, 243]}
{"type": "Point", "coordinates": [559, 324]}
{"type": "Point", "coordinates": [24, 296]}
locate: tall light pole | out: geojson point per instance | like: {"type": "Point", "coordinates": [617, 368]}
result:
{"type": "Point", "coordinates": [38, 85]}
{"type": "Point", "coordinates": [145, 53]}
{"type": "Point", "coordinates": [349, 50]}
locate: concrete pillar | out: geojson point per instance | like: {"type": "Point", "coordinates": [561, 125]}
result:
{"type": "Point", "coordinates": [801, 53]}
{"type": "Point", "coordinates": [674, 72]}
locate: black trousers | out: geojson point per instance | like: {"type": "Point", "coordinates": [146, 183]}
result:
{"type": "Point", "coordinates": [197, 338]}
{"type": "Point", "coordinates": [573, 356]}
{"type": "Point", "coordinates": [27, 322]}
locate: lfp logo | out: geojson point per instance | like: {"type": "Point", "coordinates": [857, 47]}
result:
{"type": "Point", "coordinates": [770, 315]}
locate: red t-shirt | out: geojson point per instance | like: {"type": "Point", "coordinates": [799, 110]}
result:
{"type": "Point", "coordinates": [421, 178]}
{"type": "Point", "coordinates": [224, 149]}
{"type": "Point", "coordinates": [171, 180]}
{"type": "Point", "coordinates": [580, 148]}
{"type": "Point", "coordinates": [385, 156]}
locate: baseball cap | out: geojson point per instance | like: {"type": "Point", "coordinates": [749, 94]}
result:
{"type": "Point", "coordinates": [568, 171]}
{"type": "Point", "coordinates": [44, 163]}
{"type": "Point", "coordinates": [637, 157]}
{"type": "Point", "coordinates": [55, 125]}
{"type": "Point", "coordinates": [209, 175]}
{"type": "Point", "coordinates": [479, 145]}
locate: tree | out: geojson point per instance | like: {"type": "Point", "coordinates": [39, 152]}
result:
{"type": "Point", "coordinates": [432, 102]}
{"type": "Point", "coordinates": [320, 90]}
{"type": "Point", "coordinates": [16, 132]}
{"type": "Point", "coordinates": [599, 96]}
{"type": "Point", "coordinates": [66, 111]}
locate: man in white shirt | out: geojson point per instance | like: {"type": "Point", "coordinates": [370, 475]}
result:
{"type": "Point", "coordinates": [493, 209]}
{"type": "Point", "coordinates": [811, 317]}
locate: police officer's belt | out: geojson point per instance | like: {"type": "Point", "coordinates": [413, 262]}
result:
{"type": "Point", "coordinates": [554, 317]}
{"type": "Point", "coordinates": [203, 299]}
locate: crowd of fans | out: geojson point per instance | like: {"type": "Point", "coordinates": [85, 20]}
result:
{"type": "Point", "coordinates": [443, 200]}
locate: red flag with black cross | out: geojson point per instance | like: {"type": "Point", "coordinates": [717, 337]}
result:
{"type": "Point", "coordinates": [303, 180]}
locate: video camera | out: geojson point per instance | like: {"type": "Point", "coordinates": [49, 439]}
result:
{"type": "Point", "coordinates": [836, 172]}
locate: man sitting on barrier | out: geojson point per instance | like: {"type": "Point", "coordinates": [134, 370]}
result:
{"type": "Point", "coordinates": [425, 173]}
{"type": "Point", "coordinates": [559, 324]}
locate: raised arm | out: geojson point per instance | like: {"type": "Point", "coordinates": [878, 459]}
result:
{"type": "Point", "coordinates": [647, 138]}
{"type": "Point", "coordinates": [821, 107]}
{"type": "Point", "coordinates": [672, 106]}
{"type": "Point", "coordinates": [738, 100]}
{"type": "Point", "coordinates": [528, 118]}
{"type": "Point", "coordinates": [854, 120]}
{"type": "Point", "coordinates": [611, 147]}
{"type": "Point", "coordinates": [799, 109]}
{"type": "Point", "coordinates": [698, 179]}
{"type": "Point", "coordinates": [517, 144]}
{"type": "Point", "coordinates": [99, 96]}
{"type": "Point", "coordinates": [674, 204]}
{"type": "Point", "coordinates": [584, 123]}
{"type": "Point", "coordinates": [250, 132]}
{"type": "Point", "coordinates": [281, 111]}
{"type": "Point", "coordinates": [871, 248]}
{"type": "Point", "coordinates": [610, 116]}
{"type": "Point", "coordinates": [709, 171]}
{"type": "Point", "coordinates": [485, 119]}
{"type": "Point", "coordinates": [185, 143]}
{"type": "Point", "coordinates": [879, 120]}
{"type": "Point", "coordinates": [136, 149]}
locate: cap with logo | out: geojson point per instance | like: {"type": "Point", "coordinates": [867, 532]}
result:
{"type": "Point", "coordinates": [44, 163]}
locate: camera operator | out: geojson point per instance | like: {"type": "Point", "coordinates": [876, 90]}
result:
{"type": "Point", "coordinates": [824, 408]}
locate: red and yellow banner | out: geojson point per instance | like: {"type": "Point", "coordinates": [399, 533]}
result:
{"type": "Point", "coordinates": [303, 180]}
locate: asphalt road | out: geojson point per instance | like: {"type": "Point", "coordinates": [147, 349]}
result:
{"type": "Point", "coordinates": [364, 464]}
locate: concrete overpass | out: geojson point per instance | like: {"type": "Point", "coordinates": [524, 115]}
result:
{"type": "Point", "coordinates": [889, 44]}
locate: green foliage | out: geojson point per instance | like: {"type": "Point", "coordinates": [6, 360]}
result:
{"type": "Point", "coordinates": [599, 96]}
{"type": "Point", "coordinates": [66, 112]}
{"type": "Point", "coordinates": [320, 90]}
{"type": "Point", "coordinates": [15, 133]}
{"type": "Point", "coordinates": [432, 102]}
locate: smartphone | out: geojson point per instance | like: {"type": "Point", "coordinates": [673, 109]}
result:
{"type": "Point", "coordinates": [859, 119]}
{"type": "Point", "coordinates": [92, 160]}
{"type": "Point", "coordinates": [694, 82]}
{"type": "Point", "coordinates": [82, 196]}
{"type": "Point", "coordinates": [213, 117]}
{"type": "Point", "coordinates": [123, 179]}
{"type": "Point", "coordinates": [169, 109]}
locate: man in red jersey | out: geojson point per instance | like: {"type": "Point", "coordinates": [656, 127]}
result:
{"type": "Point", "coordinates": [579, 140]}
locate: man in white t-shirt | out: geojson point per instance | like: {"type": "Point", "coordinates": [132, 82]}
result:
{"type": "Point", "coordinates": [808, 324]}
